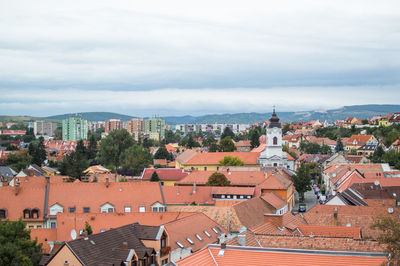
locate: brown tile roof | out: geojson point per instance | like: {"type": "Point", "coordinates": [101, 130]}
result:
{"type": "Point", "coordinates": [80, 195]}
{"type": "Point", "coordinates": [251, 212]}
{"type": "Point", "coordinates": [262, 256]}
{"type": "Point", "coordinates": [193, 227]}
{"type": "Point", "coordinates": [105, 221]}
{"type": "Point", "coordinates": [213, 158]}
{"type": "Point", "coordinates": [216, 213]}
{"type": "Point", "coordinates": [237, 178]}
{"type": "Point", "coordinates": [274, 199]}
{"type": "Point", "coordinates": [185, 156]}
{"type": "Point", "coordinates": [183, 195]}
{"type": "Point", "coordinates": [165, 174]}
{"type": "Point", "coordinates": [356, 216]}
{"type": "Point", "coordinates": [331, 231]}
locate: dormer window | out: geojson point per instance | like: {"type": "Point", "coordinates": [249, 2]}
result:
{"type": "Point", "coordinates": [35, 213]}
{"type": "Point", "coordinates": [27, 213]}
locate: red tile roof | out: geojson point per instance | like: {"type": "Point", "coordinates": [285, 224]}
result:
{"type": "Point", "coordinates": [237, 178]}
{"type": "Point", "coordinates": [331, 231]}
{"type": "Point", "coordinates": [275, 200]}
{"type": "Point", "coordinates": [183, 195]}
{"type": "Point", "coordinates": [262, 256]}
{"type": "Point", "coordinates": [165, 174]}
{"type": "Point", "coordinates": [213, 158]}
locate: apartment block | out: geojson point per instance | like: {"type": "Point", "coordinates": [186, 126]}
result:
{"type": "Point", "coordinates": [41, 128]}
{"type": "Point", "coordinates": [75, 128]}
{"type": "Point", "coordinates": [113, 124]}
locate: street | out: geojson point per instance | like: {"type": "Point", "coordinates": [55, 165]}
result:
{"type": "Point", "coordinates": [310, 200]}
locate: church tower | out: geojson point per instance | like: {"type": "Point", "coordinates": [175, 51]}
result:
{"type": "Point", "coordinates": [273, 154]}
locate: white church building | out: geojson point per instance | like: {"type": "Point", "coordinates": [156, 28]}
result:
{"type": "Point", "coordinates": [273, 156]}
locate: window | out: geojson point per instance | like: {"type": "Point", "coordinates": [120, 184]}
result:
{"type": "Point", "coordinates": [110, 209]}
{"type": "Point", "coordinates": [39, 226]}
{"type": "Point", "coordinates": [142, 209]}
{"type": "Point", "coordinates": [3, 213]}
{"type": "Point", "coordinates": [275, 140]}
{"type": "Point", "coordinates": [86, 209]}
{"type": "Point", "coordinates": [241, 196]}
{"type": "Point", "coordinates": [199, 237]}
{"type": "Point", "coordinates": [219, 229]}
{"type": "Point", "coordinates": [249, 197]}
{"type": "Point", "coordinates": [154, 209]}
{"type": "Point", "coordinates": [71, 209]}
{"type": "Point", "coordinates": [207, 233]}
{"type": "Point", "coordinates": [179, 244]}
{"type": "Point", "coordinates": [35, 213]}
{"type": "Point", "coordinates": [165, 261]}
{"type": "Point", "coordinates": [31, 227]}
{"type": "Point", "coordinates": [215, 230]}
{"type": "Point", "coordinates": [205, 168]}
{"type": "Point", "coordinates": [53, 225]}
{"type": "Point", "coordinates": [27, 213]}
{"type": "Point", "coordinates": [190, 241]}
{"type": "Point", "coordinates": [163, 241]}
{"type": "Point", "coordinates": [228, 196]}
{"type": "Point", "coordinates": [222, 196]}
{"type": "Point", "coordinates": [127, 209]}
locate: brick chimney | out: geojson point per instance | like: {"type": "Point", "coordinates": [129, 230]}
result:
{"type": "Point", "coordinates": [124, 245]}
{"type": "Point", "coordinates": [31, 172]}
{"type": "Point", "coordinates": [276, 219]}
{"type": "Point", "coordinates": [17, 188]}
{"type": "Point", "coordinates": [107, 182]}
{"type": "Point", "coordinates": [335, 213]}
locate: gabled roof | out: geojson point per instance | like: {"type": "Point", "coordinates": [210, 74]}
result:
{"type": "Point", "coordinates": [274, 199]}
{"type": "Point", "coordinates": [193, 227]}
{"type": "Point", "coordinates": [165, 174]}
{"type": "Point", "coordinates": [251, 212]}
{"type": "Point", "coordinates": [185, 156]}
{"type": "Point", "coordinates": [276, 180]}
{"type": "Point", "coordinates": [100, 248]}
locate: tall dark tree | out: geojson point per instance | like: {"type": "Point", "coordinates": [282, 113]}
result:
{"type": "Point", "coordinates": [37, 151]}
{"type": "Point", "coordinates": [227, 133]}
{"type": "Point", "coordinates": [254, 138]}
{"type": "Point", "coordinates": [302, 180]}
{"type": "Point", "coordinates": [389, 237]}
{"type": "Point", "coordinates": [92, 147]}
{"type": "Point", "coordinates": [339, 145]}
{"type": "Point", "coordinates": [135, 159]}
{"type": "Point", "coordinates": [162, 153]}
{"type": "Point", "coordinates": [113, 146]}
{"type": "Point", "coordinates": [213, 147]}
{"type": "Point", "coordinates": [154, 177]}
{"type": "Point", "coordinates": [227, 145]}
{"type": "Point", "coordinates": [16, 246]}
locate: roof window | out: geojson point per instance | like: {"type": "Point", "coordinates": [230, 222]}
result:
{"type": "Point", "coordinates": [179, 244]}
{"type": "Point", "coordinates": [215, 230]}
{"type": "Point", "coordinates": [190, 241]}
{"type": "Point", "coordinates": [207, 233]}
{"type": "Point", "coordinates": [199, 237]}
{"type": "Point", "coordinates": [219, 229]}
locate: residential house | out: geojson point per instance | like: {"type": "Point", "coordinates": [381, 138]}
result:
{"type": "Point", "coordinates": [357, 141]}
{"type": "Point", "coordinates": [292, 140]}
{"type": "Point", "coordinates": [167, 176]}
{"type": "Point", "coordinates": [243, 145]}
{"type": "Point", "coordinates": [6, 174]}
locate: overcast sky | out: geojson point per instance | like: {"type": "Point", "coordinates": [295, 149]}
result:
{"type": "Point", "coordinates": [196, 57]}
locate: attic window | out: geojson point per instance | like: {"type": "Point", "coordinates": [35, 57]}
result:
{"type": "Point", "coordinates": [179, 244]}
{"type": "Point", "coordinates": [127, 209]}
{"type": "Point", "coordinates": [199, 237]}
{"type": "Point", "coordinates": [190, 241]}
{"type": "Point", "coordinates": [3, 213]}
{"type": "Point", "coordinates": [207, 233]}
{"type": "Point", "coordinates": [215, 230]}
{"type": "Point", "coordinates": [71, 209]}
{"type": "Point", "coordinates": [86, 209]}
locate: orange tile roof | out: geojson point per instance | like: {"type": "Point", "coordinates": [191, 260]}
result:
{"type": "Point", "coordinates": [237, 178]}
{"type": "Point", "coordinates": [331, 231]}
{"type": "Point", "coordinates": [170, 148]}
{"type": "Point", "coordinates": [262, 256]}
{"type": "Point", "coordinates": [274, 199]}
{"type": "Point", "coordinates": [275, 180]}
{"type": "Point", "coordinates": [165, 174]}
{"type": "Point", "coordinates": [105, 221]}
{"type": "Point", "coordinates": [185, 156]}
{"type": "Point", "coordinates": [251, 212]}
{"type": "Point", "coordinates": [213, 158]}
{"type": "Point", "coordinates": [260, 148]}
{"type": "Point", "coordinates": [183, 195]}
{"type": "Point", "coordinates": [82, 194]}
{"type": "Point", "coordinates": [192, 227]}
{"type": "Point", "coordinates": [360, 139]}
{"type": "Point", "coordinates": [44, 235]}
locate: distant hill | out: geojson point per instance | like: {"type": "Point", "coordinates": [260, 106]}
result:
{"type": "Point", "coordinates": [358, 111]}
{"type": "Point", "coordinates": [94, 116]}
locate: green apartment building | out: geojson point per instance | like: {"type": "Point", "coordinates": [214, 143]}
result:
{"type": "Point", "coordinates": [74, 128]}
{"type": "Point", "coordinates": [155, 126]}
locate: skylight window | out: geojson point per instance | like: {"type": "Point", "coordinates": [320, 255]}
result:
{"type": "Point", "coordinates": [199, 237]}
{"type": "Point", "coordinates": [179, 244]}
{"type": "Point", "coordinates": [219, 229]}
{"type": "Point", "coordinates": [190, 241]}
{"type": "Point", "coordinates": [207, 233]}
{"type": "Point", "coordinates": [215, 230]}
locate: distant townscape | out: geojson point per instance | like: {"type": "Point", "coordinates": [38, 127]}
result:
{"type": "Point", "coordinates": [140, 191]}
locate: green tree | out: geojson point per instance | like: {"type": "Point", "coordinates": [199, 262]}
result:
{"type": "Point", "coordinates": [389, 237]}
{"type": "Point", "coordinates": [254, 138]}
{"type": "Point", "coordinates": [18, 161]}
{"type": "Point", "coordinates": [227, 145]}
{"type": "Point", "coordinates": [302, 180]}
{"type": "Point", "coordinates": [218, 180]}
{"type": "Point", "coordinates": [339, 145]}
{"type": "Point", "coordinates": [286, 128]}
{"type": "Point", "coordinates": [135, 159]}
{"type": "Point", "coordinates": [191, 143]}
{"type": "Point", "coordinates": [92, 147]}
{"type": "Point", "coordinates": [154, 177]}
{"type": "Point", "coordinates": [171, 137]}
{"type": "Point", "coordinates": [227, 133]}
{"type": "Point", "coordinates": [162, 153]}
{"type": "Point", "coordinates": [113, 146]}
{"type": "Point", "coordinates": [16, 247]}
{"type": "Point", "coordinates": [88, 228]}
{"type": "Point", "coordinates": [209, 141]}
{"type": "Point", "coordinates": [58, 133]}
{"type": "Point", "coordinates": [231, 161]}
{"type": "Point", "coordinates": [37, 151]}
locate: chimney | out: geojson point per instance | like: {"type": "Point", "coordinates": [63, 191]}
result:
{"type": "Point", "coordinates": [124, 245]}
{"type": "Point", "coordinates": [85, 235]}
{"type": "Point", "coordinates": [31, 172]}
{"type": "Point", "coordinates": [177, 190]}
{"type": "Point", "coordinates": [194, 188]}
{"type": "Point", "coordinates": [47, 179]}
{"type": "Point", "coordinates": [242, 240]}
{"type": "Point", "coordinates": [335, 213]}
{"type": "Point", "coordinates": [107, 182]}
{"type": "Point", "coordinates": [17, 188]}
{"type": "Point", "coordinates": [276, 219]}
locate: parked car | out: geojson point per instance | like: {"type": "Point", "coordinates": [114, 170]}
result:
{"type": "Point", "coordinates": [302, 208]}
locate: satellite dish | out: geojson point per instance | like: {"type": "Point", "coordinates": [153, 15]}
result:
{"type": "Point", "coordinates": [73, 234]}
{"type": "Point", "coordinates": [376, 183]}
{"type": "Point", "coordinates": [390, 210]}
